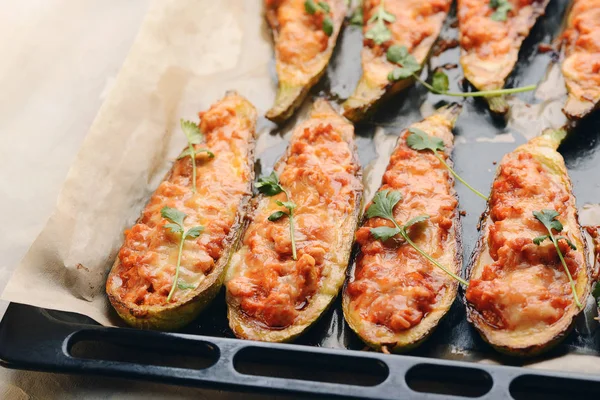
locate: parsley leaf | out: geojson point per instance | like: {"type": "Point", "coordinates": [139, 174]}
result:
{"type": "Point", "coordinates": [176, 218]}
{"type": "Point", "coordinates": [312, 8]}
{"type": "Point", "coordinates": [382, 206]}
{"type": "Point", "coordinates": [357, 17]}
{"type": "Point", "coordinates": [502, 8]}
{"type": "Point", "coordinates": [548, 219]}
{"type": "Point", "coordinates": [380, 33]}
{"type": "Point", "coordinates": [420, 140]}
{"type": "Point", "coordinates": [270, 186]}
{"type": "Point", "coordinates": [384, 233]}
{"type": "Point", "coordinates": [440, 81]}
{"type": "Point", "coordinates": [194, 136]}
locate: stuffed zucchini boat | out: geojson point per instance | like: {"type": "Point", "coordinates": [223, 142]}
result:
{"type": "Point", "coordinates": [172, 262]}
{"type": "Point", "coordinates": [304, 34]}
{"type": "Point", "coordinates": [490, 34]}
{"type": "Point", "coordinates": [295, 252]}
{"type": "Point", "coordinates": [413, 24]}
{"type": "Point", "coordinates": [581, 66]}
{"type": "Point", "coordinates": [529, 274]}
{"type": "Point", "coordinates": [395, 297]}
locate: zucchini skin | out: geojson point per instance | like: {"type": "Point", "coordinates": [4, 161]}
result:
{"type": "Point", "coordinates": [374, 88]}
{"type": "Point", "coordinates": [379, 337]}
{"type": "Point", "coordinates": [292, 92]}
{"type": "Point", "coordinates": [543, 148]}
{"type": "Point", "coordinates": [490, 73]}
{"type": "Point", "coordinates": [246, 327]}
{"type": "Point", "coordinates": [177, 314]}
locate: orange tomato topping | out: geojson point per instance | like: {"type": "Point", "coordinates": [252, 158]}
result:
{"type": "Point", "coordinates": [394, 286]}
{"type": "Point", "coordinates": [320, 174]}
{"type": "Point", "coordinates": [581, 68]}
{"type": "Point", "coordinates": [148, 256]}
{"type": "Point", "coordinates": [524, 284]}
{"type": "Point", "coordinates": [300, 38]}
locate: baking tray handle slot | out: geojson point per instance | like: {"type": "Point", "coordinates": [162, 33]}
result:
{"type": "Point", "coordinates": [449, 380]}
{"type": "Point", "coordinates": [534, 387]}
{"type": "Point", "coordinates": [309, 366]}
{"type": "Point", "coordinates": [142, 348]}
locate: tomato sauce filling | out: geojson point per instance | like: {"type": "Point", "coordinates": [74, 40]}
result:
{"type": "Point", "coordinates": [149, 253]}
{"type": "Point", "coordinates": [582, 39]}
{"type": "Point", "coordinates": [524, 285]}
{"type": "Point", "coordinates": [320, 174]}
{"type": "Point", "coordinates": [485, 36]}
{"type": "Point", "coordinates": [394, 286]}
{"type": "Point", "coordinates": [416, 21]}
{"type": "Point", "coordinates": [300, 38]}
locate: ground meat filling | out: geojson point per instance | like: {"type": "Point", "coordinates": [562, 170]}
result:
{"type": "Point", "coordinates": [524, 285]}
{"type": "Point", "coordinates": [320, 176]}
{"type": "Point", "coordinates": [395, 286]}
{"type": "Point", "coordinates": [300, 38]}
{"type": "Point", "coordinates": [149, 253]}
{"type": "Point", "coordinates": [581, 68]}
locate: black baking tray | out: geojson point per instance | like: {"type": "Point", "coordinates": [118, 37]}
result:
{"type": "Point", "coordinates": [329, 360]}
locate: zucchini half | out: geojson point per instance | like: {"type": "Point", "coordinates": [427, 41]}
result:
{"type": "Point", "coordinates": [143, 273]}
{"type": "Point", "coordinates": [370, 293]}
{"type": "Point", "coordinates": [525, 333]}
{"type": "Point", "coordinates": [270, 296]}
{"type": "Point", "coordinates": [582, 57]}
{"type": "Point", "coordinates": [484, 66]}
{"type": "Point", "coordinates": [296, 35]}
{"type": "Point", "coordinates": [412, 19]}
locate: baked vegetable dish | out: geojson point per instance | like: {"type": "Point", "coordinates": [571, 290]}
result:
{"type": "Point", "coordinates": [172, 262]}
{"type": "Point", "coordinates": [491, 34]}
{"type": "Point", "coordinates": [529, 274]}
{"type": "Point", "coordinates": [396, 296]}
{"type": "Point", "coordinates": [411, 24]}
{"type": "Point", "coordinates": [305, 33]}
{"type": "Point", "coordinates": [295, 251]}
{"type": "Point", "coordinates": [581, 67]}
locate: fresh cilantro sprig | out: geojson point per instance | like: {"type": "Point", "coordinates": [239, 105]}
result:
{"type": "Point", "coordinates": [596, 293]}
{"type": "Point", "coordinates": [312, 8]}
{"type": "Point", "coordinates": [194, 136]}
{"type": "Point", "coordinates": [420, 140]}
{"type": "Point", "coordinates": [380, 33]}
{"type": "Point", "coordinates": [270, 186]}
{"type": "Point", "coordinates": [357, 17]}
{"type": "Point", "coordinates": [548, 219]}
{"type": "Point", "coordinates": [501, 7]}
{"type": "Point", "coordinates": [176, 218]}
{"type": "Point", "coordinates": [383, 207]}
{"type": "Point", "coordinates": [408, 67]}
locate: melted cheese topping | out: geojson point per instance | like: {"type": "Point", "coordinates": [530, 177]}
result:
{"type": "Point", "coordinates": [394, 286]}
{"type": "Point", "coordinates": [320, 174]}
{"type": "Point", "coordinates": [417, 25]}
{"type": "Point", "coordinates": [524, 285]}
{"type": "Point", "coordinates": [581, 67]}
{"type": "Point", "coordinates": [147, 260]}
{"type": "Point", "coordinates": [300, 40]}
{"type": "Point", "coordinates": [490, 48]}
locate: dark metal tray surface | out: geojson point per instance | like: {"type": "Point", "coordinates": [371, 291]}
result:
{"type": "Point", "coordinates": [328, 360]}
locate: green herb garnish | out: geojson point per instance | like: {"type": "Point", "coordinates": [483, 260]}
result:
{"type": "Point", "coordinates": [176, 218]}
{"type": "Point", "coordinates": [194, 136]}
{"type": "Point", "coordinates": [184, 285]}
{"type": "Point", "coordinates": [408, 67]}
{"type": "Point", "coordinates": [380, 33]}
{"type": "Point", "coordinates": [270, 186]}
{"type": "Point", "coordinates": [596, 293]}
{"type": "Point", "coordinates": [312, 8]}
{"type": "Point", "coordinates": [548, 219]}
{"type": "Point", "coordinates": [420, 140]}
{"type": "Point", "coordinates": [357, 17]}
{"type": "Point", "coordinates": [383, 207]}
{"type": "Point", "coordinates": [501, 7]}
